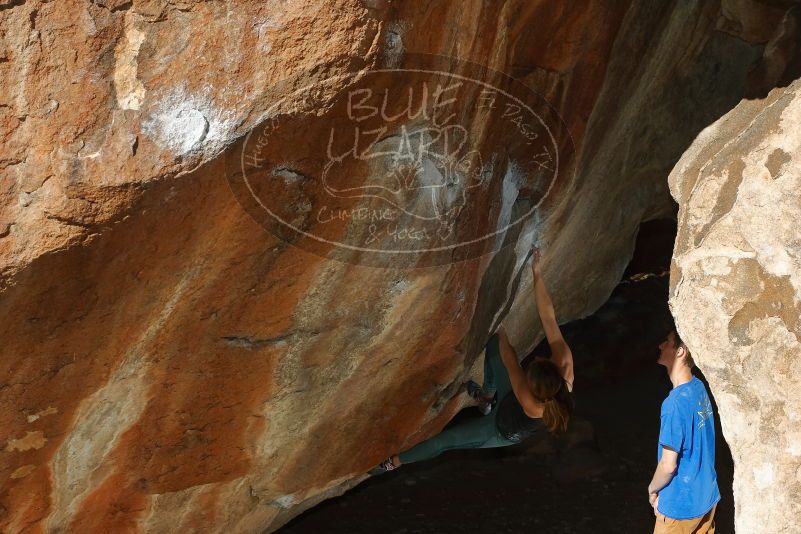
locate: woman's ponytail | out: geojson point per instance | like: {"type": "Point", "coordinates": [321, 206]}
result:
{"type": "Point", "coordinates": [558, 410]}
{"type": "Point", "coordinates": [550, 388]}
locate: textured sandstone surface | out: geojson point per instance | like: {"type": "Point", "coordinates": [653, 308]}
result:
{"type": "Point", "coordinates": [736, 293]}
{"type": "Point", "coordinates": [167, 364]}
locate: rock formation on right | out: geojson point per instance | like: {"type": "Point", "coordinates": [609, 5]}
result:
{"type": "Point", "coordinates": [735, 289]}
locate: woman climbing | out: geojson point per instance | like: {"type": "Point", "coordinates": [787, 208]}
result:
{"type": "Point", "coordinates": [531, 401]}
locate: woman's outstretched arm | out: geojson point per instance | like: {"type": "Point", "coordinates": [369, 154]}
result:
{"type": "Point", "coordinates": [560, 351]}
{"type": "Point", "coordinates": [517, 377]}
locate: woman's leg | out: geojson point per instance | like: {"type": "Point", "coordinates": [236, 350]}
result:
{"type": "Point", "coordinates": [495, 375]}
{"type": "Point", "coordinates": [478, 433]}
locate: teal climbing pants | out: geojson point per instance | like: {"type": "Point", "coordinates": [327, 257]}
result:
{"type": "Point", "coordinates": [477, 433]}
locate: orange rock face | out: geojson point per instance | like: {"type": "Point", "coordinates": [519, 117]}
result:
{"type": "Point", "coordinates": [171, 360]}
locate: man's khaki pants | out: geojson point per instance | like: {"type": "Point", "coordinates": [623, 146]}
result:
{"type": "Point", "coordinates": [699, 525]}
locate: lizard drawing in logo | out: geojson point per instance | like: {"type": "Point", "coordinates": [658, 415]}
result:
{"type": "Point", "coordinates": [425, 172]}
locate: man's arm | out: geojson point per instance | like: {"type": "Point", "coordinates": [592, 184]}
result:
{"type": "Point", "coordinates": [665, 471]}
{"type": "Point", "coordinates": [560, 351]}
{"type": "Point", "coordinates": [517, 377]}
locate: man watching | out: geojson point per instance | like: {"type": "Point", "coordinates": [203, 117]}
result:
{"type": "Point", "coordinates": [684, 490]}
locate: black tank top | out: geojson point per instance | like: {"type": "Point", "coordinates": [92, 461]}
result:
{"type": "Point", "coordinates": [512, 421]}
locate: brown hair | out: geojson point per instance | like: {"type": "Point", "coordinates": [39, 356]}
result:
{"type": "Point", "coordinates": [679, 343]}
{"type": "Point", "coordinates": [550, 388]}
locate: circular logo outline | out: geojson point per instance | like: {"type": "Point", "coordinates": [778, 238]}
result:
{"type": "Point", "coordinates": [349, 78]}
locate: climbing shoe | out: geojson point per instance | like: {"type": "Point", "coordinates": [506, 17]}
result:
{"type": "Point", "coordinates": [485, 402]}
{"type": "Point", "coordinates": [383, 467]}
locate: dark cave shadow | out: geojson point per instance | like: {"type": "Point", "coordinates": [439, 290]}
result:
{"type": "Point", "coordinates": [780, 63]}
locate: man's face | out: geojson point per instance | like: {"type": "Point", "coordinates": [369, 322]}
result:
{"type": "Point", "coordinates": [667, 351]}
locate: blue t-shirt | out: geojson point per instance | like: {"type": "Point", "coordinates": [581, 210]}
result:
{"type": "Point", "coordinates": [688, 427]}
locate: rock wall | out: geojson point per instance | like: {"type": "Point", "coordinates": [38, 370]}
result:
{"type": "Point", "coordinates": [736, 294]}
{"type": "Point", "coordinates": [166, 363]}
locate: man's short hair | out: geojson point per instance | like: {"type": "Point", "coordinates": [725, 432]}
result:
{"type": "Point", "coordinates": [679, 343]}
